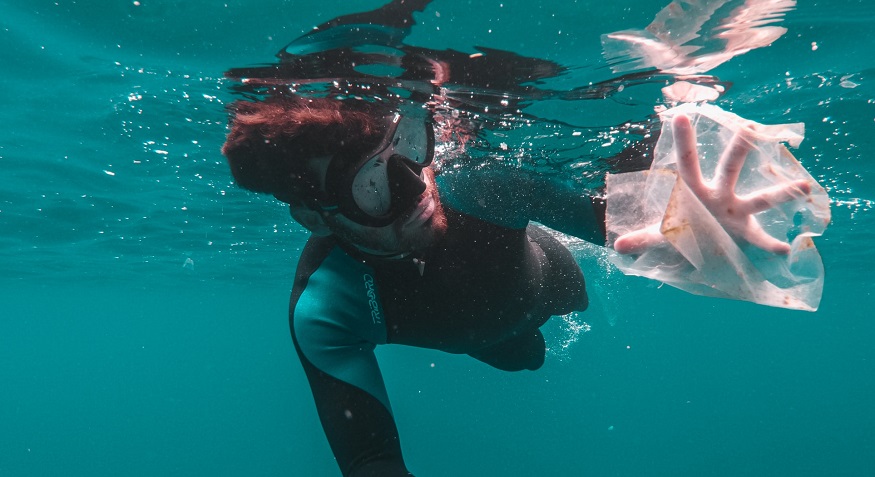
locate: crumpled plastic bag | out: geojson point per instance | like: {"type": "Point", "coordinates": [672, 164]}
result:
{"type": "Point", "coordinates": [699, 256]}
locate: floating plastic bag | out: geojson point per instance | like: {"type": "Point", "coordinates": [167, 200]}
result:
{"type": "Point", "coordinates": [698, 254]}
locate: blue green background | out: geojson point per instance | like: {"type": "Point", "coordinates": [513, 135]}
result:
{"type": "Point", "coordinates": [143, 297]}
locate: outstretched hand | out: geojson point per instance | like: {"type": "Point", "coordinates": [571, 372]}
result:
{"type": "Point", "coordinates": [735, 213]}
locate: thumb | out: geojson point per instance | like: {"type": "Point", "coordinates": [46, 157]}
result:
{"type": "Point", "coordinates": [639, 240]}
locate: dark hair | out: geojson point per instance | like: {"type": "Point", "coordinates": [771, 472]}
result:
{"type": "Point", "coordinates": [270, 141]}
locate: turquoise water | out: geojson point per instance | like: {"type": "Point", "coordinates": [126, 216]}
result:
{"type": "Point", "coordinates": [144, 328]}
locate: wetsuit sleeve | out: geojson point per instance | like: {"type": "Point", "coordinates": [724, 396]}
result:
{"type": "Point", "coordinates": [335, 324]}
{"type": "Point", "coordinates": [511, 198]}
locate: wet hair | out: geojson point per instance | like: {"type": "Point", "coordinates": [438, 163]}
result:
{"type": "Point", "coordinates": [270, 142]}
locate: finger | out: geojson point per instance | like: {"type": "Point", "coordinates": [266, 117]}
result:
{"type": "Point", "coordinates": [730, 163]}
{"type": "Point", "coordinates": [639, 240]}
{"type": "Point", "coordinates": [769, 198]}
{"type": "Point", "coordinates": [687, 155]}
{"type": "Point", "coordinates": [756, 236]}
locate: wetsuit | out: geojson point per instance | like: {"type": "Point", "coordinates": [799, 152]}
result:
{"type": "Point", "coordinates": [483, 290]}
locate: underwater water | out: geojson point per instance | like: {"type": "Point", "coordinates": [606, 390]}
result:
{"type": "Point", "coordinates": [143, 296]}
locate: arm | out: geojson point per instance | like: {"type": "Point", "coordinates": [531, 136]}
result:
{"type": "Point", "coordinates": [335, 333]}
{"type": "Point", "coordinates": [511, 197]}
{"type": "Point", "coordinates": [360, 428]}
{"type": "Point", "coordinates": [727, 236]}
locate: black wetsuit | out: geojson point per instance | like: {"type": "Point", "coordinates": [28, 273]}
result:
{"type": "Point", "coordinates": [483, 290]}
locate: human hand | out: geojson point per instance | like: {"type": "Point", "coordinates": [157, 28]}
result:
{"type": "Point", "coordinates": [735, 213]}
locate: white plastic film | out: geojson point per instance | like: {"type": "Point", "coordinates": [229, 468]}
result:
{"type": "Point", "coordinates": [698, 253]}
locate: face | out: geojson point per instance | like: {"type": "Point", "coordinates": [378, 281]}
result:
{"type": "Point", "coordinates": [421, 224]}
{"type": "Point", "coordinates": [375, 186]}
{"type": "Point", "coordinates": [384, 201]}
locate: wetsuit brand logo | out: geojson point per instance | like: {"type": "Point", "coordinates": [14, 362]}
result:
{"type": "Point", "coordinates": [372, 299]}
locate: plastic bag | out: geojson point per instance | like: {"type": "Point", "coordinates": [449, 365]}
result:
{"type": "Point", "coordinates": [699, 255]}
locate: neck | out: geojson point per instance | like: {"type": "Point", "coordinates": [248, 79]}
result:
{"type": "Point", "coordinates": [383, 255]}
{"type": "Point", "coordinates": [365, 252]}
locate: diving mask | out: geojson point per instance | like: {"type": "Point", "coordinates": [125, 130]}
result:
{"type": "Point", "coordinates": [376, 187]}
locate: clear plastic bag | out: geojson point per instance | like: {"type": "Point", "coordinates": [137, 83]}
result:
{"type": "Point", "coordinates": [699, 255]}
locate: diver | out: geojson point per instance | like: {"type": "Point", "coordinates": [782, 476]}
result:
{"type": "Point", "coordinates": [397, 256]}
{"type": "Point", "coordinates": [394, 259]}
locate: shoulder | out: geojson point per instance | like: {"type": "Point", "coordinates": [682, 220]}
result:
{"type": "Point", "coordinates": [338, 303]}
{"type": "Point", "coordinates": [494, 196]}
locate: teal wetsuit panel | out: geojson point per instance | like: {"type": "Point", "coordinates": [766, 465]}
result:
{"type": "Point", "coordinates": [340, 315]}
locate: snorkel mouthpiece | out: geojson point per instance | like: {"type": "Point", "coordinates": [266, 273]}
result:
{"type": "Point", "coordinates": [406, 181]}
